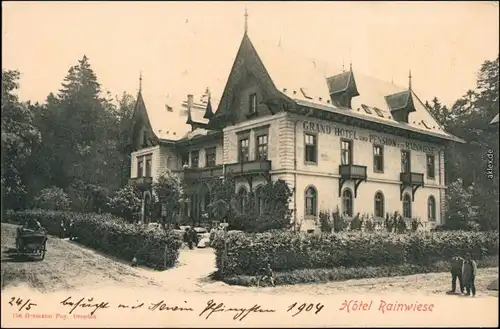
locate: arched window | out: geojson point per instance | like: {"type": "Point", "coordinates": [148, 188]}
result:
{"type": "Point", "coordinates": [260, 199]}
{"type": "Point", "coordinates": [406, 206]}
{"type": "Point", "coordinates": [347, 202]}
{"type": "Point", "coordinates": [431, 208]}
{"type": "Point", "coordinates": [242, 199]}
{"type": "Point", "coordinates": [311, 197]}
{"type": "Point", "coordinates": [379, 205]}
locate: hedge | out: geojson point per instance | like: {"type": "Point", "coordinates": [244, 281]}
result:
{"type": "Point", "coordinates": [111, 235]}
{"type": "Point", "coordinates": [248, 253]}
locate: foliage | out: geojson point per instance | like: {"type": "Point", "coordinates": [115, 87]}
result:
{"type": "Point", "coordinates": [87, 197]}
{"type": "Point", "coordinates": [325, 221]}
{"type": "Point", "coordinates": [153, 247]}
{"type": "Point", "coordinates": [19, 137]}
{"type": "Point", "coordinates": [168, 192]}
{"type": "Point", "coordinates": [459, 205]}
{"type": "Point", "coordinates": [126, 203]}
{"type": "Point", "coordinates": [323, 275]}
{"type": "Point", "coordinates": [52, 198]}
{"type": "Point", "coordinates": [469, 119]}
{"type": "Point", "coordinates": [248, 252]}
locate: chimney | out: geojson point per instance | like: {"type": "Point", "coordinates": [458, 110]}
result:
{"type": "Point", "coordinates": [189, 102]}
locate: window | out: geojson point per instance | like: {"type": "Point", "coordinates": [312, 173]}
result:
{"type": "Point", "coordinates": [262, 147]}
{"type": "Point", "coordinates": [406, 206]}
{"type": "Point", "coordinates": [195, 159]}
{"type": "Point", "coordinates": [379, 205]}
{"type": "Point", "coordinates": [379, 112]}
{"type": "Point", "coordinates": [144, 139]}
{"type": "Point", "coordinates": [140, 166]}
{"type": "Point", "coordinates": [366, 108]}
{"type": "Point", "coordinates": [260, 200]}
{"type": "Point", "coordinates": [431, 208]}
{"type": "Point", "coordinates": [347, 202]}
{"type": "Point", "coordinates": [243, 150]}
{"type": "Point", "coordinates": [149, 162]}
{"type": "Point", "coordinates": [431, 166]}
{"type": "Point", "coordinates": [242, 200]}
{"type": "Point", "coordinates": [311, 147]}
{"type": "Point", "coordinates": [311, 201]}
{"type": "Point", "coordinates": [252, 102]}
{"type": "Point", "coordinates": [185, 159]}
{"type": "Point", "coordinates": [405, 161]}
{"type": "Point", "coordinates": [346, 152]}
{"type": "Point", "coordinates": [210, 157]}
{"type": "Point", "coordinates": [378, 158]}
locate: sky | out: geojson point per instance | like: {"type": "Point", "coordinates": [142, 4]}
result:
{"type": "Point", "coordinates": [183, 47]}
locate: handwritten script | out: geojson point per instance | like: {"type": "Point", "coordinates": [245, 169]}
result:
{"type": "Point", "coordinates": [90, 306]}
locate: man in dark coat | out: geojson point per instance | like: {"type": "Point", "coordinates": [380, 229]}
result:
{"type": "Point", "coordinates": [456, 273]}
{"type": "Point", "coordinates": [469, 271]}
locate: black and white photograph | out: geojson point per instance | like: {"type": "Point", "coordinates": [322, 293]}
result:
{"type": "Point", "coordinates": [249, 164]}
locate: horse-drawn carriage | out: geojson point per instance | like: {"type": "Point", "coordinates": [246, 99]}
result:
{"type": "Point", "coordinates": [31, 242]}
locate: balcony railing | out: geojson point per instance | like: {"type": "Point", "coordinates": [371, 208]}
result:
{"type": "Point", "coordinates": [412, 178]}
{"type": "Point", "coordinates": [351, 171]}
{"type": "Point", "coordinates": [141, 182]}
{"type": "Point", "coordinates": [203, 173]}
{"type": "Point", "coordinates": [248, 168]}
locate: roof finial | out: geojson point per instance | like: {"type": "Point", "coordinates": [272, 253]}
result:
{"type": "Point", "coordinates": [350, 66]}
{"type": "Point", "coordinates": [279, 41]}
{"type": "Point", "coordinates": [140, 81]}
{"type": "Point", "coordinates": [207, 91]}
{"type": "Point", "coordinates": [343, 68]}
{"type": "Point", "coordinates": [409, 80]}
{"type": "Point", "coordinates": [246, 20]}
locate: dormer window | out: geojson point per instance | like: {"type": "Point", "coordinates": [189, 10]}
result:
{"type": "Point", "coordinates": [252, 108]}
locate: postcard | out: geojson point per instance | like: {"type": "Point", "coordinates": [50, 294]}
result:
{"type": "Point", "coordinates": [249, 164]}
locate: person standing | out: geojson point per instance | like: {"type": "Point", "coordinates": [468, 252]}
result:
{"type": "Point", "coordinates": [456, 273]}
{"type": "Point", "coordinates": [469, 272]}
{"type": "Point", "coordinates": [188, 238]}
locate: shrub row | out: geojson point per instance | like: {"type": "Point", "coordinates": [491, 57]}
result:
{"type": "Point", "coordinates": [322, 275]}
{"type": "Point", "coordinates": [248, 253]}
{"type": "Point", "coordinates": [153, 247]}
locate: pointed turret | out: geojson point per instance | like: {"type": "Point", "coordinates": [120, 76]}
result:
{"type": "Point", "coordinates": [208, 111]}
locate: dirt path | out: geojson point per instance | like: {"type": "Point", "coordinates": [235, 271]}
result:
{"type": "Point", "coordinates": [69, 266]}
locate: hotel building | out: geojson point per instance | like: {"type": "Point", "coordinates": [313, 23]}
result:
{"type": "Point", "coordinates": [338, 139]}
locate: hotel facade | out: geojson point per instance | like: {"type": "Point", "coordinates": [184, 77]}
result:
{"type": "Point", "coordinates": [338, 139]}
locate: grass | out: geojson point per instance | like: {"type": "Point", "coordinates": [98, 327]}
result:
{"type": "Point", "coordinates": [323, 275]}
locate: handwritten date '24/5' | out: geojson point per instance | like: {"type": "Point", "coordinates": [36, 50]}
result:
{"type": "Point", "coordinates": [305, 307]}
{"type": "Point", "coordinates": [21, 304]}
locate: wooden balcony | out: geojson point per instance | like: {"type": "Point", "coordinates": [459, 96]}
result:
{"type": "Point", "coordinates": [248, 168]}
{"type": "Point", "coordinates": [192, 174]}
{"type": "Point", "coordinates": [351, 172]}
{"type": "Point", "coordinates": [142, 183]}
{"type": "Point", "coordinates": [412, 180]}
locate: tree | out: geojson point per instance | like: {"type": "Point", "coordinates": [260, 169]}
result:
{"type": "Point", "coordinates": [19, 136]}
{"type": "Point", "coordinates": [168, 191]}
{"type": "Point", "coordinates": [125, 203]}
{"type": "Point", "coordinates": [52, 198]}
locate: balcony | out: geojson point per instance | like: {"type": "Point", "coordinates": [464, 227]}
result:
{"type": "Point", "coordinates": [142, 183]}
{"type": "Point", "coordinates": [413, 180]}
{"type": "Point", "coordinates": [248, 168]}
{"type": "Point", "coordinates": [351, 172]}
{"type": "Point", "coordinates": [192, 174]}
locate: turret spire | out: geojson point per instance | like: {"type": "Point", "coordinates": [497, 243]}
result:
{"type": "Point", "coordinates": [409, 80]}
{"type": "Point", "coordinates": [246, 20]}
{"type": "Point", "coordinates": [140, 81]}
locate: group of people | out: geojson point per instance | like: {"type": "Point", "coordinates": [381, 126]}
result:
{"type": "Point", "coordinates": [465, 270]}
{"type": "Point", "coordinates": [190, 237]}
{"type": "Point", "coordinates": [66, 230]}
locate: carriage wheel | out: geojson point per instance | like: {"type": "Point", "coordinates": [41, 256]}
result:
{"type": "Point", "coordinates": [44, 249]}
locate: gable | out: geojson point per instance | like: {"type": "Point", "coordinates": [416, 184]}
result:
{"type": "Point", "coordinates": [248, 76]}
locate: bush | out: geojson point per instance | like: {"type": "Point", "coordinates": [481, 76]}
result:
{"type": "Point", "coordinates": [248, 253]}
{"type": "Point", "coordinates": [52, 198]}
{"type": "Point", "coordinates": [111, 235]}
{"type": "Point", "coordinates": [125, 203]}
{"type": "Point", "coordinates": [322, 275]}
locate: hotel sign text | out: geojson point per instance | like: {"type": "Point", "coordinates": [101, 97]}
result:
{"type": "Point", "coordinates": [371, 138]}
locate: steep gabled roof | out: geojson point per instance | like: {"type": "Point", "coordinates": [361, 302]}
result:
{"type": "Point", "coordinates": [307, 81]}
{"type": "Point", "coordinates": [167, 115]}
